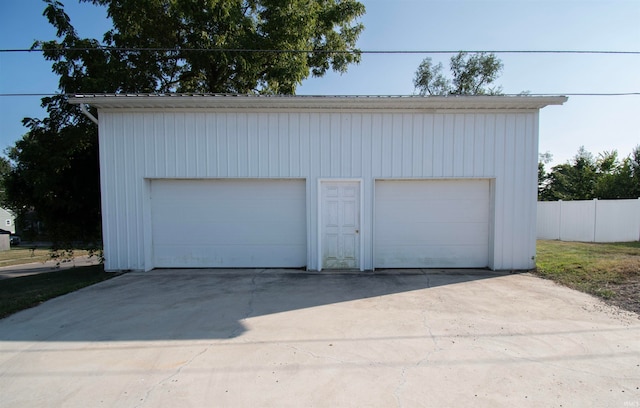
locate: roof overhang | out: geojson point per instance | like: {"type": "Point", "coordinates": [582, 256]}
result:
{"type": "Point", "coordinates": [299, 102]}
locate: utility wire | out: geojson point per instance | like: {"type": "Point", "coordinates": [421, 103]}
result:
{"type": "Point", "coordinates": [405, 96]}
{"type": "Point", "coordinates": [281, 51]}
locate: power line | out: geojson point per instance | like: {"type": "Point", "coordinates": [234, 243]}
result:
{"type": "Point", "coordinates": [28, 94]}
{"type": "Point", "coordinates": [417, 96]}
{"type": "Point", "coordinates": [300, 51]}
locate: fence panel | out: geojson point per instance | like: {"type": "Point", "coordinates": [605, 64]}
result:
{"type": "Point", "coordinates": [549, 219]}
{"type": "Point", "coordinates": [617, 220]}
{"type": "Point", "coordinates": [589, 220]}
{"type": "Point", "coordinates": [577, 221]}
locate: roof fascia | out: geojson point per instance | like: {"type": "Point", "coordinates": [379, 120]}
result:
{"type": "Point", "coordinates": [328, 103]}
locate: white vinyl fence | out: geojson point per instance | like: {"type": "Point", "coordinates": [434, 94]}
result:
{"type": "Point", "coordinates": [589, 221]}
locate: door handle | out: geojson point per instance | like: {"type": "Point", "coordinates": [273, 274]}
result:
{"type": "Point", "coordinates": [357, 231]}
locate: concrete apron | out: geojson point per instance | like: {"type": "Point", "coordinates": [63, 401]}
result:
{"type": "Point", "coordinates": [273, 338]}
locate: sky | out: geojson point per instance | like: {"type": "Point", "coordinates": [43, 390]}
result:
{"type": "Point", "coordinates": [599, 123]}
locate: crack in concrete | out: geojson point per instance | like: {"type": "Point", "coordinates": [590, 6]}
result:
{"type": "Point", "coordinates": [397, 392]}
{"type": "Point", "coordinates": [250, 308]}
{"type": "Point", "coordinates": [252, 295]}
{"type": "Point", "coordinates": [569, 369]}
{"type": "Point", "coordinates": [168, 378]}
{"type": "Point", "coordinates": [403, 373]}
{"type": "Point", "coordinates": [249, 312]}
{"type": "Point", "coordinates": [317, 356]}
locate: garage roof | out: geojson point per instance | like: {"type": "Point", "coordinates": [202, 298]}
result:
{"type": "Point", "coordinates": [298, 102]}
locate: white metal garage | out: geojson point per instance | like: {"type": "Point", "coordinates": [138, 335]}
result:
{"type": "Point", "coordinates": [322, 182]}
{"type": "Point", "coordinates": [228, 223]}
{"type": "Point", "coordinates": [432, 223]}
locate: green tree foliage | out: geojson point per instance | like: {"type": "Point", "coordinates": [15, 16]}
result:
{"type": "Point", "coordinates": [471, 75]}
{"type": "Point", "coordinates": [5, 169]}
{"type": "Point", "coordinates": [586, 177]}
{"type": "Point", "coordinates": [543, 159]}
{"type": "Point", "coordinates": [55, 165]}
{"type": "Point", "coordinates": [323, 30]}
{"type": "Point", "coordinates": [56, 175]}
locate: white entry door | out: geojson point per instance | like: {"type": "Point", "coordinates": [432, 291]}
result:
{"type": "Point", "coordinates": [340, 224]}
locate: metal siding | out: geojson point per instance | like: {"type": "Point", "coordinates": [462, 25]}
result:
{"type": "Point", "coordinates": [293, 129]}
{"type": "Point", "coordinates": [488, 148]}
{"type": "Point", "coordinates": [231, 146]}
{"type": "Point", "coordinates": [367, 145]}
{"type": "Point", "coordinates": [124, 202]}
{"type": "Point", "coordinates": [478, 144]}
{"type": "Point", "coordinates": [407, 145]}
{"type": "Point", "coordinates": [107, 194]}
{"type": "Point", "coordinates": [531, 185]}
{"type": "Point", "coordinates": [417, 145]}
{"type": "Point", "coordinates": [521, 188]}
{"type": "Point", "coordinates": [190, 144]}
{"type": "Point", "coordinates": [438, 146]}
{"type": "Point", "coordinates": [396, 146]}
{"type": "Point", "coordinates": [138, 166]}
{"type": "Point", "coordinates": [510, 184]}
{"type": "Point", "coordinates": [376, 145]}
{"type": "Point", "coordinates": [499, 192]}
{"type": "Point", "coordinates": [470, 130]}
{"type": "Point", "coordinates": [458, 146]}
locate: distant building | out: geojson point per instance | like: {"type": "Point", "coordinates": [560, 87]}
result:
{"type": "Point", "coordinates": [7, 220]}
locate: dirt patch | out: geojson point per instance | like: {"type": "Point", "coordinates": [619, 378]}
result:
{"type": "Point", "coordinates": [627, 294]}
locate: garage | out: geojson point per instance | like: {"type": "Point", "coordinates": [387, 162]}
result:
{"type": "Point", "coordinates": [318, 182]}
{"type": "Point", "coordinates": [432, 223]}
{"type": "Point", "coordinates": [228, 223]}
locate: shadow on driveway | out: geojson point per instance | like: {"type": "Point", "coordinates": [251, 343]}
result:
{"type": "Point", "coordinates": [275, 338]}
{"type": "Point", "coordinates": [206, 304]}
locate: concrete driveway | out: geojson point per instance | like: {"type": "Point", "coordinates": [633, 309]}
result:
{"type": "Point", "coordinates": [269, 338]}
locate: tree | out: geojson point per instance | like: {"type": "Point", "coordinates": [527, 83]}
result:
{"type": "Point", "coordinates": [5, 169]}
{"type": "Point", "coordinates": [321, 32]}
{"type": "Point", "coordinates": [543, 159]}
{"type": "Point", "coordinates": [200, 46]}
{"type": "Point", "coordinates": [572, 181]}
{"type": "Point", "coordinates": [634, 165]}
{"type": "Point", "coordinates": [56, 175]}
{"type": "Point", "coordinates": [471, 75]}
{"type": "Point", "coordinates": [586, 178]}
{"type": "Point", "coordinates": [618, 179]}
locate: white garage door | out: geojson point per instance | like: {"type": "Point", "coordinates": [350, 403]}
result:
{"type": "Point", "coordinates": [432, 224]}
{"type": "Point", "coordinates": [228, 223]}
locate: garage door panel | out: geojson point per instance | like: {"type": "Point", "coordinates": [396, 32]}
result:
{"type": "Point", "coordinates": [452, 189]}
{"type": "Point", "coordinates": [431, 223]}
{"type": "Point", "coordinates": [436, 233]}
{"type": "Point", "coordinates": [437, 211]}
{"type": "Point", "coordinates": [222, 256]}
{"type": "Point", "coordinates": [229, 223]}
{"type": "Point", "coordinates": [440, 256]}
{"type": "Point", "coordinates": [233, 235]}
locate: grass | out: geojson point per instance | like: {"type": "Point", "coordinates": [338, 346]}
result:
{"type": "Point", "coordinates": [28, 291]}
{"type": "Point", "coordinates": [598, 269]}
{"type": "Point", "coordinates": [23, 255]}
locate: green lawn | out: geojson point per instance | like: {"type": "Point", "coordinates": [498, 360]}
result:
{"type": "Point", "coordinates": [28, 291]}
{"type": "Point", "coordinates": [604, 270]}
